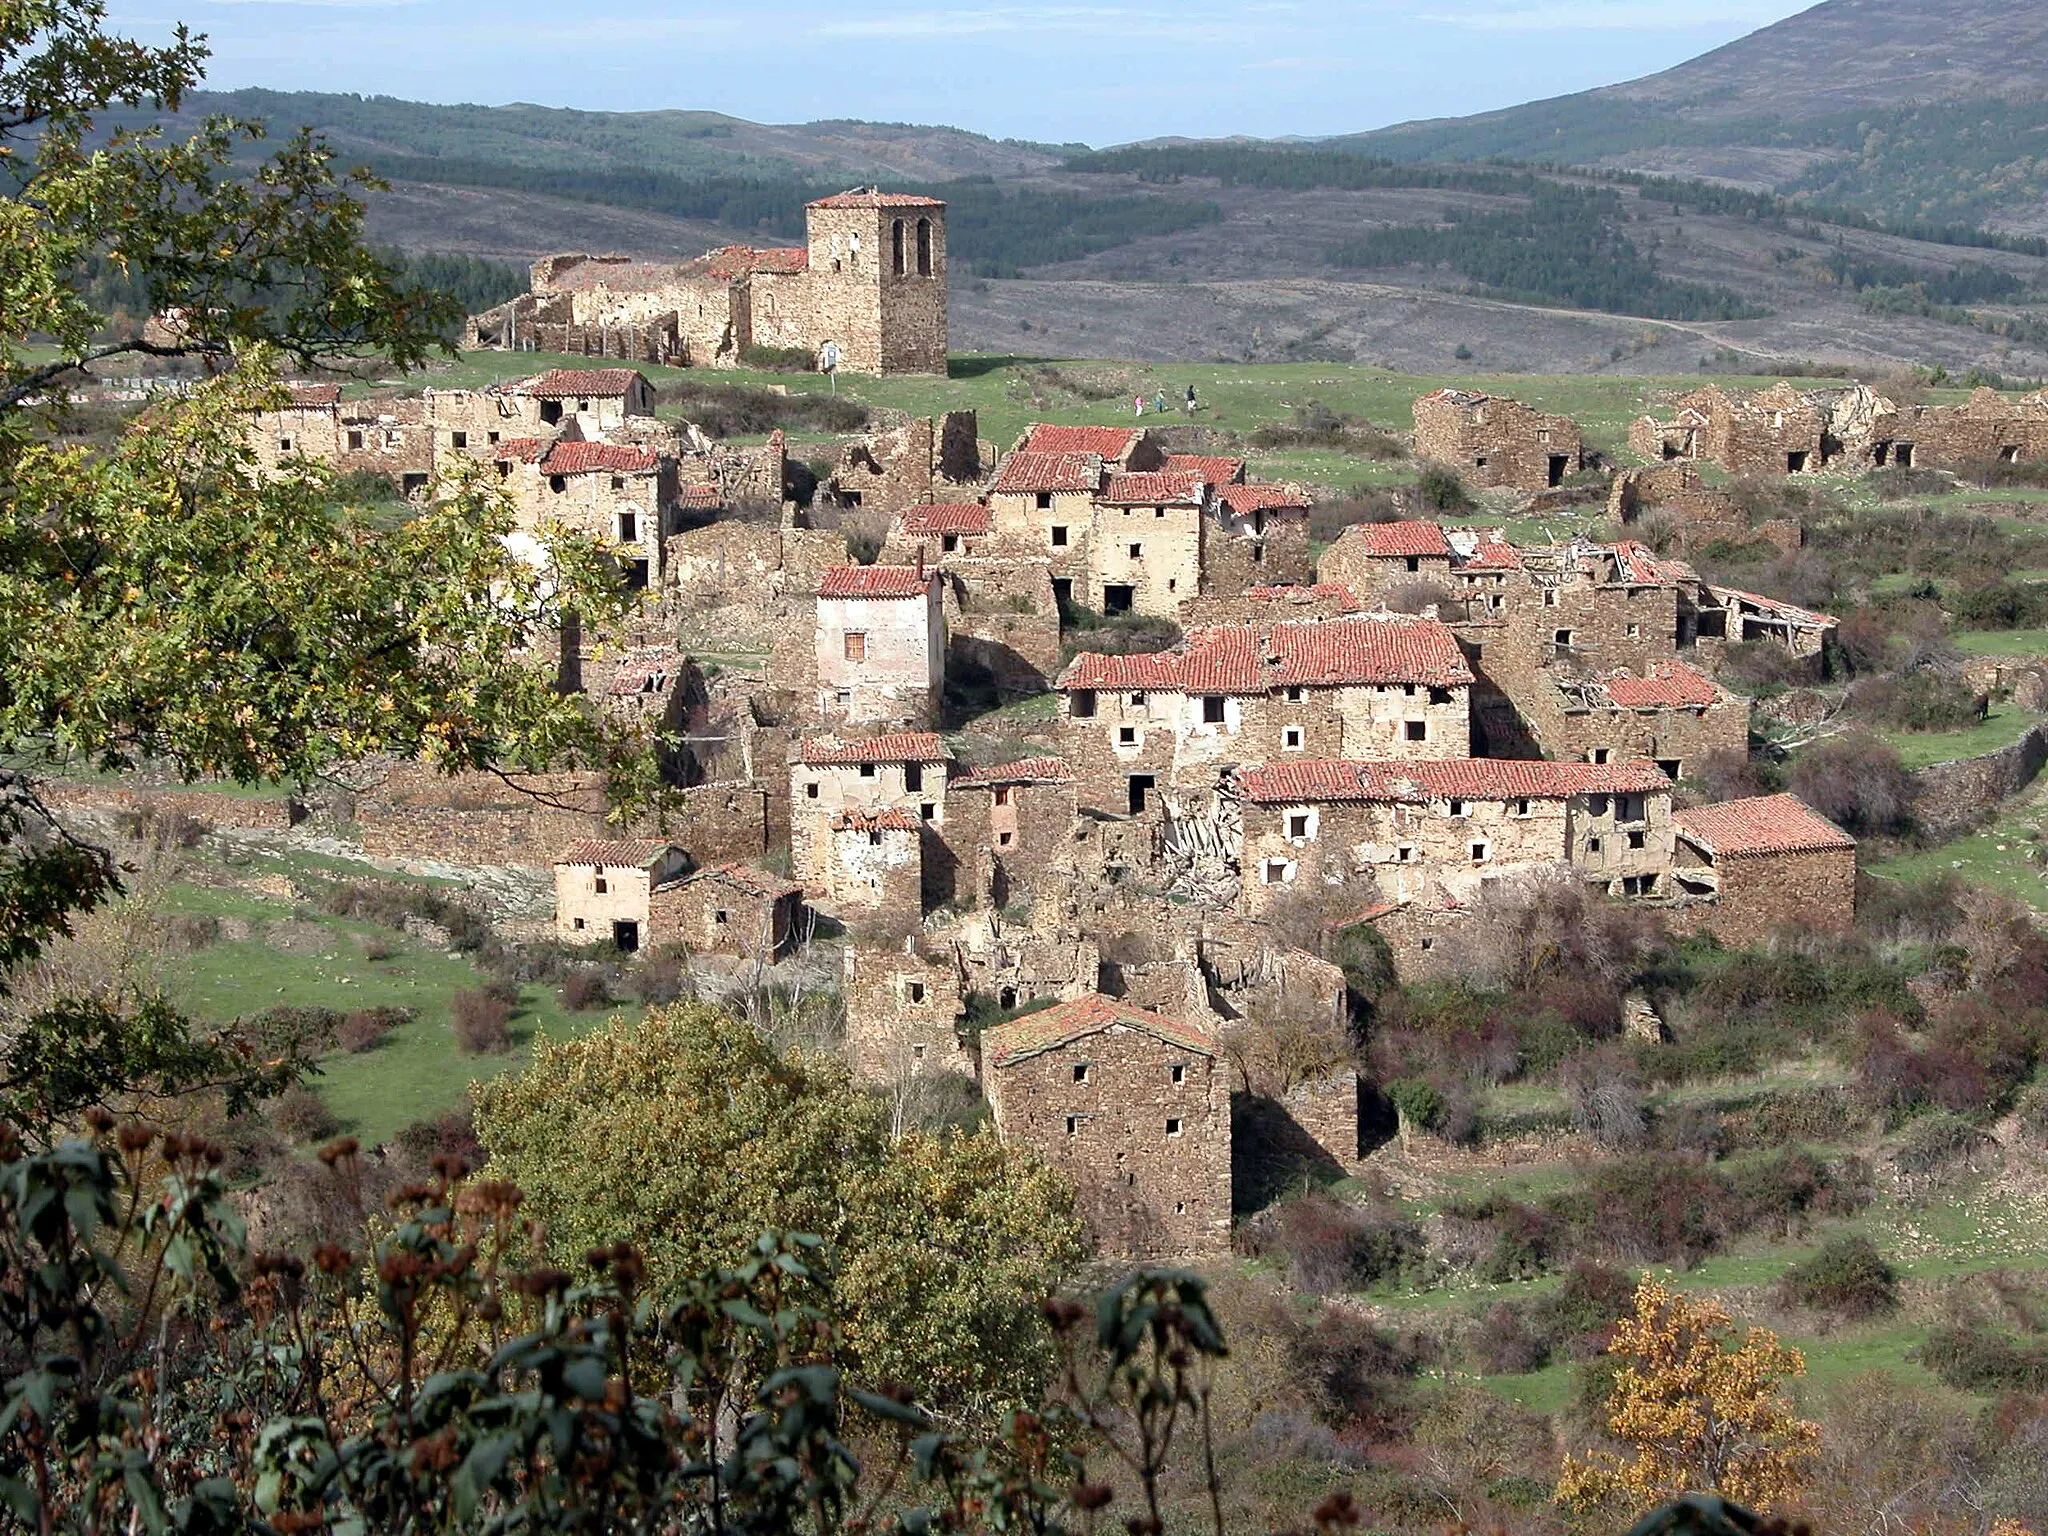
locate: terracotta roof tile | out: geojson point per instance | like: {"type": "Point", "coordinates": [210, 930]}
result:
{"type": "Point", "coordinates": [1465, 778]}
{"type": "Point", "coordinates": [1488, 551]}
{"type": "Point", "coordinates": [649, 670]}
{"type": "Point", "coordinates": [873, 197]}
{"type": "Point", "coordinates": [944, 517]}
{"type": "Point", "coordinates": [314, 397]}
{"type": "Point", "coordinates": [1313, 592]}
{"type": "Point", "coordinates": [1394, 541]}
{"type": "Point", "coordinates": [1246, 658]}
{"type": "Point", "coordinates": [1771, 606]}
{"type": "Point", "coordinates": [897, 747]}
{"type": "Point", "coordinates": [874, 821]}
{"type": "Point", "coordinates": [1763, 825]}
{"type": "Point", "coordinates": [744, 260]}
{"type": "Point", "coordinates": [1213, 468]}
{"type": "Point", "coordinates": [704, 497]}
{"type": "Point", "coordinates": [1025, 471]}
{"type": "Point", "coordinates": [524, 450]}
{"type": "Point", "coordinates": [1264, 498]}
{"type": "Point", "coordinates": [874, 581]}
{"type": "Point", "coordinates": [582, 383]}
{"type": "Point", "coordinates": [753, 881]}
{"type": "Point", "coordinates": [625, 853]}
{"type": "Point", "coordinates": [1636, 565]}
{"type": "Point", "coordinates": [1670, 685]}
{"type": "Point", "coordinates": [1029, 770]}
{"type": "Point", "coordinates": [1020, 1038]}
{"type": "Point", "coordinates": [1220, 658]}
{"type": "Point", "coordinates": [596, 458]}
{"type": "Point", "coordinates": [1152, 488]}
{"type": "Point", "coordinates": [1105, 442]}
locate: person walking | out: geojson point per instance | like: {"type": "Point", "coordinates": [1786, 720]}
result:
{"type": "Point", "coordinates": [1138, 404]}
{"type": "Point", "coordinates": [1191, 399]}
{"type": "Point", "coordinates": [1159, 401]}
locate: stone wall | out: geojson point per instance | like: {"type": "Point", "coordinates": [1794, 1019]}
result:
{"type": "Point", "coordinates": [1268, 549]}
{"type": "Point", "coordinates": [264, 813]}
{"type": "Point", "coordinates": [1002, 621]}
{"type": "Point", "coordinates": [1495, 441]}
{"type": "Point", "coordinates": [1011, 841]}
{"type": "Point", "coordinates": [1143, 1190]}
{"type": "Point", "coordinates": [1760, 895]}
{"type": "Point", "coordinates": [901, 1013]}
{"type": "Point", "coordinates": [926, 459]}
{"type": "Point", "coordinates": [1951, 798]}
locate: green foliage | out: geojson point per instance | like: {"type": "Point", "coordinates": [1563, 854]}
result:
{"type": "Point", "coordinates": [779, 359]}
{"type": "Point", "coordinates": [741, 410]}
{"type": "Point", "coordinates": [1420, 1103]}
{"type": "Point", "coordinates": [692, 1133]}
{"type": "Point", "coordinates": [1848, 1277]}
{"type": "Point", "coordinates": [1567, 248]}
{"type": "Point", "coordinates": [1290, 169]}
{"type": "Point", "coordinates": [1439, 489]}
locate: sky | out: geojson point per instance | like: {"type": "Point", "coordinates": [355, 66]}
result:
{"type": "Point", "coordinates": [1100, 73]}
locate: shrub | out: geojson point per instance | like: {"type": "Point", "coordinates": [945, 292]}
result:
{"type": "Point", "coordinates": [365, 1028]}
{"type": "Point", "coordinates": [584, 989]}
{"type": "Point", "coordinates": [1973, 1358]}
{"type": "Point", "coordinates": [779, 359]}
{"type": "Point", "coordinates": [1917, 701]}
{"type": "Point", "coordinates": [374, 946]}
{"type": "Point", "coordinates": [1419, 1102]}
{"type": "Point", "coordinates": [1855, 781]}
{"type": "Point", "coordinates": [1848, 1277]}
{"type": "Point", "coordinates": [2001, 603]}
{"type": "Point", "coordinates": [1356, 1372]}
{"type": "Point", "coordinates": [481, 1019]}
{"type": "Point", "coordinates": [301, 1116]}
{"type": "Point", "coordinates": [660, 976]}
{"type": "Point", "coordinates": [190, 931]}
{"type": "Point", "coordinates": [740, 410]}
{"type": "Point", "coordinates": [1504, 1344]}
{"type": "Point", "coordinates": [1334, 1246]}
{"type": "Point", "coordinates": [1935, 1140]}
{"type": "Point", "coordinates": [1439, 489]}
{"type": "Point", "coordinates": [1578, 1317]}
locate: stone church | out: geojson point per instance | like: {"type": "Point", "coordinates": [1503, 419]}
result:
{"type": "Point", "coordinates": [869, 283]}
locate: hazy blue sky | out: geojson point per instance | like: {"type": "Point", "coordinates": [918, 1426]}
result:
{"type": "Point", "coordinates": [1103, 73]}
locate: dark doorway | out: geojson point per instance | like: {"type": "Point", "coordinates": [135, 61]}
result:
{"type": "Point", "coordinates": [1902, 455]}
{"type": "Point", "coordinates": [551, 411]}
{"type": "Point", "coordinates": [1795, 461]}
{"type": "Point", "coordinates": [636, 576]}
{"type": "Point", "coordinates": [1559, 463]}
{"type": "Point", "coordinates": [626, 937]}
{"type": "Point", "coordinates": [1141, 790]}
{"type": "Point", "coordinates": [1670, 765]}
{"type": "Point", "coordinates": [2009, 454]}
{"type": "Point", "coordinates": [1118, 599]}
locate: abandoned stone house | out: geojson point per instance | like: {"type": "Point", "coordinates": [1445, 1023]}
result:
{"type": "Point", "coordinates": [871, 870]}
{"type": "Point", "coordinates": [1776, 431]}
{"type": "Point", "coordinates": [926, 459]}
{"type": "Point", "coordinates": [605, 890]}
{"type": "Point", "coordinates": [870, 282]}
{"type": "Point", "coordinates": [1767, 863]}
{"type": "Point", "coordinates": [880, 645]}
{"type": "Point", "coordinates": [905, 770]}
{"type": "Point", "coordinates": [902, 1011]}
{"type": "Point", "coordinates": [1492, 440]}
{"type": "Point", "coordinates": [1672, 714]}
{"type": "Point", "coordinates": [1323, 830]}
{"type": "Point", "coordinates": [622, 495]}
{"type": "Point", "coordinates": [1134, 1107]}
{"type": "Point", "coordinates": [1985, 429]}
{"type": "Point", "coordinates": [1122, 450]}
{"type": "Point", "coordinates": [1389, 562]}
{"type": "Point", "coordinates": [1011, 826]}
{"type": "Point", "coordinates": [1002, 622]}
{"type": "Point", "coordinates": [1380, 684]}
{"type": "Point", "coordinates": [1271, 604]}
{"type": "Point", "coordinates": [727, 909]}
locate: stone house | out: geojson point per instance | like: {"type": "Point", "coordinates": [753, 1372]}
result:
{"type": "Point", "coordinates": [1134, 1108]}
{"type": "Point", "coordinates": [902, 1014]}
{"type": "Point", "coordinates": [598, 400]}
{"type": "Point", "coordinates": [869, 283]}
{"type": "Point", "coordinates": [1492, 440]}
{"type": "Point", "coordinates": [1147, 544]}
{"type": "Point", "coordinates": [604, 890]}
{"type": "Point", "coordinates": [1271, 604]}
{"type": "Point", "coordinates": [880, 643]}
{"type": "Point", "coordinates": [728, 909]}
{"type": "Point", "coordinates": [1217, 469]}
{"type": "Point", "coordinates": [1377, 561]}
{"type": "Point", "coordinates": [926, 460]}
{"type": "Point", "coordinates": [1046, 501]}
{"type": "Point", "coordinates": [1122, 450]}
{"type": "Point", "coordinates": [1672, 714]}
{"type": "Point", "coordinates": [1985, 429]}
{"type": "Point", "coordinates": [1763, 864]}
{"type": "Point", "coordinates": [1731, 616]}
{"type": "Point", "coordinates": [905, 771]}
{"type": "Point", "coordinates": [1012, 827]}
{"type": "Point", "coordinates": [618, 494]}
{"type": "Point", "coordinates": [939, 531]}
{"type": "Point", "coordinates": [1776, 431]}
{"type": "Point", "coordinates": [1255, 535]}
{"type": "Point", "coordinates": [1400, 830]}
{"type": "Point", "coordinates": [872, 870]}
{"type": "Point", "coordinates": [1388, 685]}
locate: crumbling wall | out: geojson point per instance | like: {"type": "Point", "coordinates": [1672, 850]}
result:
{"type": "Point", "coordinates": [902, 1009]}
{"type": "Point", "coordinates": [1950, 798]}
{"type": "Point", "coordinates": [265, 813]}
{"type": "Point", "coordinates": [1492, 440]}
{"type": "Point", "coordinates": [1763, 894]}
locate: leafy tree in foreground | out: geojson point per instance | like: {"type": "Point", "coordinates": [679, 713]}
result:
{"type": "Point", "coordinates": [1697, 1409]}
{"type": "Point", "coordinates": [687, 1134]}
{"type": "Point", "coordinates": [163, 600]}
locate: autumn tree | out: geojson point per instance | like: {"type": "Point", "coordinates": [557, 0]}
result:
{"type": "Point", "coordinates": [1697, 1409]}
{"type": "Point", "coordinates": [688, 1135]}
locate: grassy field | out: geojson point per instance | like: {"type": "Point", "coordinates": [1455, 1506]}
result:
{"type": "Point", "coordinates": [2002, 726]}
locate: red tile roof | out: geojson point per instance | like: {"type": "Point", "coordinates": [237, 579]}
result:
{"type": "Point", "coordinates": [701, 498]}
{"type": "Point", "coordinates": [1460, 778]}
{"type": "Point", "coordinates": [745, 260]}
{"type": "Point", "coordinates": [1670, 685]}
{"type": "Point", "coordinates": [626, 853]}
{"type": "Point", "coordinates": [874, 821]}
{"type": "Point", "coordinates": [1319, 591]}
{"type": "Point", "coordinates": [753, 881]}
{"type": "Point", "coordinates": [873, 197]}
{"type": "Point", "coordinates": [1027, 471]}
{"type": "Point", "coordinates": [526, 450]}
{"type": "Point", "coordinates": [1107, 442]}
{"type": "Point", "coordinates": [314, 397]}
{"type": "Point", "coordinates": [1264, 498]}
{"type": "Point", "coordinates": [1490, 552]}
{"type": "Point", "coordinates": [595, 458]}
{"type": "Point", "coordinates": [1246, 659]}
{"type": "Point", "coordinates": [1213, 468]}
{"type": "Point", "coordinates": [1029, 770]}
{"type": "Point", "coordinates": [1636, 565]}
{"type": "Point", "coordinates": [942, 517]}
{"type": "Point", "coordinates": [1050, 1028]}
{"type": "Point", "coordinates": [1765, 824]}
{"type": "Point", "coordinates": [874, 581]}
{"type": "Point", "coordinates": [582, 383]}
{"type": "Point", "coordinates": [1394, 541]}
{"type": "Point", "coordinates": [1771, 606]}
{"type": "Point", "coordinates": [897, 747]}
{"type": "Point", "coordinates": [645, 671]}
{"type": "Point", "coordinates": [1374, 648]}
{"type": "Point", "coordinates": [1152, 488]}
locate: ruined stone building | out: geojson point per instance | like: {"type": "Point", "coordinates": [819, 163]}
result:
{"type": "Point", "coordinates": [1776, 431]}
{"type": "Point", "coordinates": [1491, 440]}
{"type": "Point", "coordinates": [870, 281]}
{"type": "Point", "coordinates": [1671, 713]}
{"type": "Point", "coordinates": [1134, 1108]}
{"type": "Point", "coordinates": [1402, 831]}
{"type": "Point", "coordinates": [605, 890]}
{"type": "Point", "coordinates": [1379, 684]}
{"type": "Point", "coordinates": [1011, 825]}
{"type": "Point", "coordinates": [880, 645]}
{"type": "Point", "coordinates": [871, 870]}
{"type": "Point", "coordinates": [618, 494]}
{"type": "Point", "coordinates": [1002, 621]}
{"type": "Point", "coordinates": [1399, 563]}
{"type": "Point", "coordinates": [1768, 863]}
{"type": "Point", "coordinates": [1875, 433]}
{"type": "Point", "coordinates": [926, 459]}
{"type": "Point", "coordinates": [728, 909]}
{"type": "Point", "coordinates": [902, 1011]}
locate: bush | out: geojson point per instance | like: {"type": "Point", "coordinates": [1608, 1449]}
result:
{"type": "Point", "coordinates": [1917, 701]}
{"type": "Point", "coordinates": [584, 989]}
{"type": "Point", "coordinates": [1848, 1277]}
{"type": "Point", "coordinates": [1420, 1103]}
{"type": "Point", "coordinates": [1334, 1246]}
{"type": "Point", "coordinates": [1578, 1317]}
{"type": "Point", "coordinates": [301, 1116]}
{"type": "Point", "coordinates": [1973, 1358]}
{"type": "Point", "coordinates": [1935, 1140]}
{"type": "Point", "coordinates": [366, 1028]}
{"type": "Point", "coordinates": [2001, 604]}
{"type": "Point", "coordinates": [481, 1018]}
{"type": "Point", "coordinates": [660, 977]}
{"type": "Point", "coordinates": [1439, 489]}
{"type": "Point", "coordinates": [189, 931]}
{"type": "Point", "coordinates": [1856, 782]}
{"type": "Point", "coordinates": [1504, 1345]}
{"type": "Point", "coordinates": [779, 359]}
{"type": "Point", "coordinates": [740, 410]}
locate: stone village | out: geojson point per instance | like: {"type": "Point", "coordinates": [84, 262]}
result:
{"type": "Point", "coordinates": [1389, 736]}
